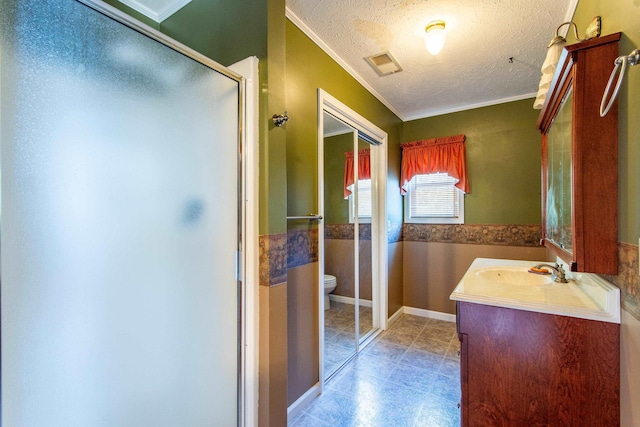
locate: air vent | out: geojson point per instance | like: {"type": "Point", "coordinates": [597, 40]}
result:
{"type": "Point", "coordinates": [384, 63]}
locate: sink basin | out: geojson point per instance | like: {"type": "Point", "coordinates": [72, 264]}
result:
{"type": "Point", "coordinates": [507, 283]}
{"type": "Point", "coordinates": [513, 276]}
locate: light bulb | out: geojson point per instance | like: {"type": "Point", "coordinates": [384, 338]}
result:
{"type": "Point", "coordinates": [435, 36]}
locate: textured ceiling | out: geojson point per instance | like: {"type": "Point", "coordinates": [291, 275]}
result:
{"type": "Point", "coordinates": [473, 69]}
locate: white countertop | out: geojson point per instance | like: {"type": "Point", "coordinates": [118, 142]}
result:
{"type": "Point", "coordinates": [506, 283]}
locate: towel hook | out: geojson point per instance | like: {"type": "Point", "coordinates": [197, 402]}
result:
{"type": "Point", "coordinates": [621, 63]}
{"type": "Point", "coordinates": [280, 119]}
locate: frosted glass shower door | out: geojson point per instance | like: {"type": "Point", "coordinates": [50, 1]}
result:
{"type": "Point", "coordinates": [119, 226]}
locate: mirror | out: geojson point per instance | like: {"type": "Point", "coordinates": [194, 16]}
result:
{"type": "Point", "coordinates": [365, 264]}
{"type": "Point", "coordinates": [339, 261]}
{"type": "Point", "coordinates": [352, 185]}
{"type": "Point", "coordinates": [348, 250]}
{"type": "Point", "coordinates": [558, 203]}
{"type": "Point", "coordinates": [580, 161]}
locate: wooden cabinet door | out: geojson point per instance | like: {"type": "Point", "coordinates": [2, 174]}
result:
{"type": "Point", "coordinates": [521, 368]}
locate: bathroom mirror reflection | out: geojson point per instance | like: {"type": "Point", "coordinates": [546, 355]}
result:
{"type": "Point", "coordinates": [348, 251]}
{"type": "Point", "coordinates": [339, 261]}
{"type": "Point", "coordinates": [365, 270]}
{"type": "Point", "coordinates": [558, 204]}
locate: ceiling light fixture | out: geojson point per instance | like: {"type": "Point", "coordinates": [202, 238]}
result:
{"type": "Point", "coordinates": [435, 36]}
{"type": "Point", "coordinates": [558, 42]}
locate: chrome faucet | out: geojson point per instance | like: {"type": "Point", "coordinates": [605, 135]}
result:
{"type": "Point", "coordinates": [558, 274]}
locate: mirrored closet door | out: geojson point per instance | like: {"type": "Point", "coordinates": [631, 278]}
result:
{"type": "Point", "coordinates": [349, 206]}
{"type": "Point", "coordinates": [364, 197]}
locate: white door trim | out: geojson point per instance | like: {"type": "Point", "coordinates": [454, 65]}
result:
{"type": "Point", "coordinates": [248, 69]}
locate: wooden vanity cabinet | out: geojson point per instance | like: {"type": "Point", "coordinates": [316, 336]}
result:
{"type": "Point", "coordinates": [523, 368]}
{"type": "Point", "coordinates": [580, 160]}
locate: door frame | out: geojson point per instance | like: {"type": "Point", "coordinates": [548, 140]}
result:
{"type": "Point", "coordinates": [379, 162]}
{"type": "Point", "coordinates": [249, 268]}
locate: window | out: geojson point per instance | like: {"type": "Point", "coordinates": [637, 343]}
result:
{"type": "Point", "coordinates": [364, 202]}
{"type": "Point", "coordinates": [434, 199]}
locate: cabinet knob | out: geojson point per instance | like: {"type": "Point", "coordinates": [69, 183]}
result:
{"type": "Point", "coordinates": [459, 405]}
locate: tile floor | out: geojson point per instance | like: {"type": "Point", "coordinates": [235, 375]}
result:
{"type": "Point", "coordinates": [408, 377]}
{"type": "Point", "coordinates": [339, 336]}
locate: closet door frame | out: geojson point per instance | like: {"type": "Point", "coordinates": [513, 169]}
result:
{"type": "Point", "coordinates": [331, 105]}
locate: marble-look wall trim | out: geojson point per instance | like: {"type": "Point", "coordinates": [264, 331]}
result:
{"type": "Point", "coordinates": [345, 232]}
{"type": "Point", "coordinates": [273, 259]}
{"type": "Point", "coordinates": [627, 278]}
{"type": "Point", "coordinates": [302, 247]}
{"type": "Point", "coordinates": [478, 234]}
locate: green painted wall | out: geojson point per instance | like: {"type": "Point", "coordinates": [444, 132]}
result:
{"type": "Point", "coordinates": [227, 31]}
{"type": "Point", "coordinates": [336, 207]}
{"type": "Point", "coordinates": [623, 16]}
{"type": "Point", "coordinates": [503, 159]}
{"type": "Point", "coordinates": [310, 68]}
{"type": "Point", "coordinates": [215, 28]}
{"type": "Point", "coordinates": [273, 140]}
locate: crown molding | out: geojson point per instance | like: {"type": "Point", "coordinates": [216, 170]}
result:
{"type": "Point", "coordinates": [158, 14]}
{"type": "Point", "coordinates": [295, 20]}
{"type": "Point", "coordinates": [426, 114]}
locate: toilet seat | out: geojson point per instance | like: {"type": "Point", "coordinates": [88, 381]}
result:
{"type": "Point", "coordinates": [329, 280]}
{"type": "Point", "coordinates": [330, 284]}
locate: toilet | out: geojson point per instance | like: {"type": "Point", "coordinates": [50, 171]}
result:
{"type": "Point", "coordinates": [329, 285]}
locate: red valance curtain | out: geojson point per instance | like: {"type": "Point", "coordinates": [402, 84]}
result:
{"type": "Point", "coordinates": [364, 168]}
{"type": "Point", "coordinates": [436, 155]}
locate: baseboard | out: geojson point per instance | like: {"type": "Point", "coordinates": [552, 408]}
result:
{"type": "Point", "coordinates": [395, 316]}
{"type": "Point", "coordinates": [299, 405]}
{"type": "Point", "coordinates": [447, 317]}
{"type": "Point", "coordinates": [349, 300]}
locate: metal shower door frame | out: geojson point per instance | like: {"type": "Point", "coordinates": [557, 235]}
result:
{"type": "Point", "coordinates": [241, 264]}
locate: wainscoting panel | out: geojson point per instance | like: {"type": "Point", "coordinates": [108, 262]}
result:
{"type": "Point", "coordinates": [338, 261]}
{"type": "Point", "coordinates": [395, 278]}
{"type": "Point", "coordinates": [303, 329]}
{"type": "Point", "coordinates": [432, 270]}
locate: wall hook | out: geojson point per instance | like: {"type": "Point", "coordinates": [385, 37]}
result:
{"type": "Point", "coordinates": [280, 119]}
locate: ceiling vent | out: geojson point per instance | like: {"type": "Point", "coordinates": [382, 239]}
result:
{"type": "Point", "coordinates": [158, 10]}
{"type": "Point", "coordinates": [384, 63]}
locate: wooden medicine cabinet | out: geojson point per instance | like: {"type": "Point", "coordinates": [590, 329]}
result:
{"type": "Point", "coordinates": [580, 160]}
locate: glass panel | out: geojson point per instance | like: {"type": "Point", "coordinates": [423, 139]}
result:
{"type": "Point", "coordinates": [339, 261]}
{"type": "Point", "coordinates": [558, 215]}
{"type": "Point", "coordinates": [119, 211]}
{"type": "Point", "coordinates": [365, 269]}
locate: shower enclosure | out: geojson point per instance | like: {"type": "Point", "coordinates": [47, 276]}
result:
{"type": "Point", "coordinates": [120, 223]}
